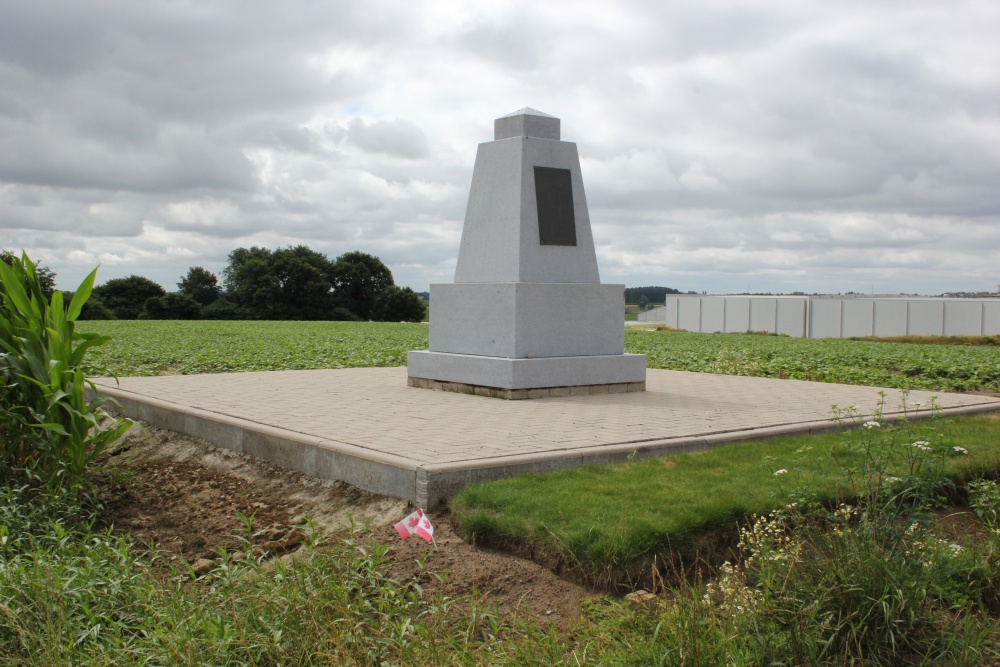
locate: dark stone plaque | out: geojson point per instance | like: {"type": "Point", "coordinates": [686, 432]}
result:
{"type": "Point", "coordinates": [554, 194]}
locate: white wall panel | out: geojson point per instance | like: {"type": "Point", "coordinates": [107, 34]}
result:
{"type": "Point", "coordinates": [857, 317]}
{"type": "Point", "coordinates": [737, 314]}
{"type": "Point", "coordinates": [713, 315]}
{"type": "Point", "coordinates": [825, 318]}
{"type": "Point", "coordinates": [963, 318]}
{"type": "Point", "coordinates": [762, 314]}
{"type": "Point", "coordinates": [689, 314]}
{"type": "Point", "coordinates": [792, 317]}
{"type": "Point", "coordinates": [890, 317]}
{"type": "Point", "coordinates": [926, 318]}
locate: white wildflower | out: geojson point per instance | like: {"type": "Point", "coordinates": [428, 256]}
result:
{"type": "Point", "coordinates": [956, 548]}
{"type": "Point", "coordinates": [872, 424]}
{"type": "Point", "coordinates": [922, 445]}
{"type": "Point", "coordinates": [960, 450]}
{"type": "Point", "coordinates": [780, 472]}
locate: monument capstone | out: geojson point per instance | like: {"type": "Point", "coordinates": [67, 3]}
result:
{"type": "Point", "coordinates": [527, 315]}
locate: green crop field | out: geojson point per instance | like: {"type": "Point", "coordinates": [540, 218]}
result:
{"type": "Point", "coordinates": [174, 347]}
{"type": "Point", "coordinates": [154, 347]}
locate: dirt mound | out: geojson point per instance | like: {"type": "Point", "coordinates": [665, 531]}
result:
{"type": "Point", "coordinates": [190, 499]}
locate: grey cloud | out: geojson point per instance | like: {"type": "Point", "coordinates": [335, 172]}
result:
{"type": "Point", "coordinates": [513, 44]}
{"type": "Point", "coordinates": [398, 137]}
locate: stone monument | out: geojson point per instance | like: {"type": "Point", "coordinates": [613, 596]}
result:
{"type": "Point", "coordinates": [527, 315]}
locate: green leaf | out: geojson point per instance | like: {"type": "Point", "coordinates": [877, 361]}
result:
{"type": "Point", "coordinates": [81, 296]}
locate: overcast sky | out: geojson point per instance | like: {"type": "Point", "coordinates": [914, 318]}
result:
{"type": "Point", "coordinates": [725, 146]}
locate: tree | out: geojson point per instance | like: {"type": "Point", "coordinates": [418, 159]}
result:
{"type": "Point", "coordinates": [46, 279]}
{"type": "Point", "coordinates": [358, 279]}
{"type": "Point", "coordinates": [653, 294]}
{"type": "Point", "coordinates": [285, 284]}
{"type": "Point", "coordinates": [201, 285]}
{"type": "Point", "coordinates": [172, 306]}
{"type": "Point", "coordinates": [303, 281]}
{"type": "Point", "coordinates": [399, 304]}
{"type": "Point", "coordinates": [126, 297]}
{"type": "Point", "coordinates": [642, 302]}
{"type": "Point", "coordinates": [247, 279]}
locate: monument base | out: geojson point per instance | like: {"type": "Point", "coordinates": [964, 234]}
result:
{"type": "Point", "coordinates": [513, 375]}
{"type": "Point", "coordinates": [520, 394]}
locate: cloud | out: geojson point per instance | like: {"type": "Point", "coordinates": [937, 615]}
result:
{"type": "Point", "coordinates": [399, 138]}
{"type": "Point", "coordinates": [794, 146]}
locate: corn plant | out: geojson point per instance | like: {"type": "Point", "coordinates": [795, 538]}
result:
{"type": "Point", "coordinates": [48, 428]}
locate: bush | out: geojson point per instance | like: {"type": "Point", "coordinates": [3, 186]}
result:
{"type": "Point", "coordinates": [127, 296]}
{"type": "Point", "coordinates": [224, 309]}
{"type": "Point", "coordinates": [47, 427]}
{"type": "Point", "coordinates": [340, 314]}
{"type": "Point", "coordinates": [398, 304]}
{"type": "Point", "coordinates": [94, 309]}
{"type": "Point", "coordinates": [173, 306]}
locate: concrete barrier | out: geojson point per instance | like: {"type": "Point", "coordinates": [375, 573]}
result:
{"type": "Point", "coordinates": [830, 317]}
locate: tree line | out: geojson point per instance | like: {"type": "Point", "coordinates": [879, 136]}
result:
{"type": "Point", "coordinates": [294, 283]}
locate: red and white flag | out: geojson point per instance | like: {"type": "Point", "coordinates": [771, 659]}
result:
{"type": "Point", "coordinates": [416, 524]}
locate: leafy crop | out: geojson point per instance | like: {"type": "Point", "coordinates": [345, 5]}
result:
{"type": "Point", "coordinates": [151, 348]}
{"type": "Point", "coordinates": [896, 365]}
{"type": "Point", "coordinates": [172, 347]}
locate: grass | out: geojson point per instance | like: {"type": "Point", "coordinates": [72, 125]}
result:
{"type": "Point", "coordinates": [607, 523]}
{"type": "Point", "coordinates": [874, 583]}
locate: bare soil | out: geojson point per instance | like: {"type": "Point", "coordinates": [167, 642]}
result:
{"type": "Point", "coordinates": [187, 498]}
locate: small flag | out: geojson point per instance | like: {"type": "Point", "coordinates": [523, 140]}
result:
{"type": "Point", "coordinates": [416, 524]}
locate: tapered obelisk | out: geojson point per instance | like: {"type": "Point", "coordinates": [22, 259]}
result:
{"type": "Point", "coordinates": [527, 315]}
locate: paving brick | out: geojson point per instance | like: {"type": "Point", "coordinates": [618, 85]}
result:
{"type": "Point", "coordinates": [375, 413]}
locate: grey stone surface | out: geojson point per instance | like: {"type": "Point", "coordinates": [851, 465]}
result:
{"type": "Point", "coordinates": [520, 320]}
{"type": "Point", "coordinates": [500, 241]}
{"type": "Point", "coordinates": [521, 294]}
{"type": "Point", "coordinates": [527, 373]}
{"type": "Point", "coordinates": [526, 122]}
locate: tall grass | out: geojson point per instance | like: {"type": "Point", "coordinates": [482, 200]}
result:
{"type": "Point", "coordinates": [872, 581]}
{"type": "Point", "coordinates": [78, 598]}
{"type": "Point", "coordinates": [48, 429]}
